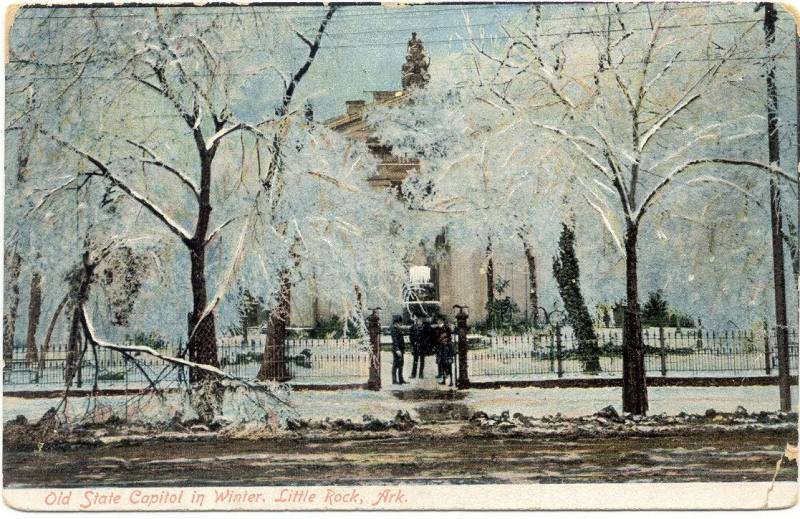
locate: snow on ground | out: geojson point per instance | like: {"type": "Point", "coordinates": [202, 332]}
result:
{"type": "Point", "coordinates": [353, 404]}
{"type": "Point", "coordinates": [584, 401]}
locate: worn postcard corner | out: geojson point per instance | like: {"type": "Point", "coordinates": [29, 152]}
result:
{"type": "Point", "coordinates": [401, 256]}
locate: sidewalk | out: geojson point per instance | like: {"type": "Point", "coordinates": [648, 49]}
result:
{"type": "Point", "coordinates": [420, 396]}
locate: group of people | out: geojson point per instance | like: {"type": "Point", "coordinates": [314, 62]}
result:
{"type": "Point", "coordinates": [426, 338]}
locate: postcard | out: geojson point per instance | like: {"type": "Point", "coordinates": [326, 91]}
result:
{"type": "Point", "coordinates": [406, 256]}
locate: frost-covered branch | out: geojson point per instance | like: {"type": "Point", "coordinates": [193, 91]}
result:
{"type": "Point", "coordinates": [613, 175]}
{"type": "Point", "coordinates": [47, 196]}
{"type": "Point", "coordinates": [216, 232]}
{"type": "Point", "coordinates": [335, 181]}
{"type": "Point", "coordinates": [224, 132]}
{"type": "Point", "coordinates": [156, 161]}
{"type": "Point", "coordinates": [91, 336]}
{"type": "Point", "coordinates": [679, 107]}
{"type": "Point", "coordinates": [649, 199]}
{"type": "Point", "coordinates": [313, 48]}
{"type": "Point", "coordinates": [173, 226]}
{"type": "Point", "coordinates": [165, 91]}
{"type": "Point", "coordinates": [690, 96]}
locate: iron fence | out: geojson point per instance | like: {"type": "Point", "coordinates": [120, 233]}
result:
{"type": "Point", "coordinates": [554, 354]}
{"type": "Point", "coordinates": [667, 353]}
{"type": "Point", "coordinates": [307, 361]}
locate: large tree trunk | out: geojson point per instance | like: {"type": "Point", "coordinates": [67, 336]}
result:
{"type": "Point", "coordinates": [273, 365]}
{"type": "Point", "coordinates": [778, 273]}
{"type": "Point", "coordinates": [34, 312]}
{"type": "Point", "coordinates": [245, 325]}
{"type": "Point", "coordinates": [634, 384]}
{"type": "Point", "coordinates": [246, 303]}
{"type": "Point", "coordinates": [71, 366]}
{"type": "Point", "coordinates": [202, 344]}
{"type": "Point", "coordinates": [79, 296]}
{"type": "Point", "coordinates": [12, 307]}
{"type": "Point", "coordinates": [796, 238]}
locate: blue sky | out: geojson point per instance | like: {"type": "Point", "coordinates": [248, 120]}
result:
{"type": "Point", "coordinates": [365, 45]}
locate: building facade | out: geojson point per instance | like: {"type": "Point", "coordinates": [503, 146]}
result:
{"type": "Point", "coordinates": [458, 273]}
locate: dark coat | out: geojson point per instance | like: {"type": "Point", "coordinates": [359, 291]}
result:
{"type": "Point", "coordinates": [445, 342]}
{"type": "Point", "coordinates": [417, 338]}
{"type": "Point", "coordinates": [429, 339]}
{"type": "Point", "coordinates": [398, 341]}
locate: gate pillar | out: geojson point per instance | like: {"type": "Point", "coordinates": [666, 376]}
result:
{"type": "Point", "coordinates": [374, 329]}
{"type": "Point", "coordinates": [462, 328]}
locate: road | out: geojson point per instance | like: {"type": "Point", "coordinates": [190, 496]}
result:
{"type": "Point", "coordinates": [409, 458]}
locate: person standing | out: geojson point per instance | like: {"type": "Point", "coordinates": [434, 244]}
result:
{"type": "Point", "coordinates": [417, 338]}
{"type": "Point", "coordinates": [435, 345]}
{"type": "Point", "coordinates": [429, 339]}
{"type": "Point", "coordinates": [446, 353]}
{"type": "Point", "coordinates": [398, 350]}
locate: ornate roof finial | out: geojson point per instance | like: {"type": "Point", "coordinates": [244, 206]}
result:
{"type": "Point", "coordinates": [415, 69]}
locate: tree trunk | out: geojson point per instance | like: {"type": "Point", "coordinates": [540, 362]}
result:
{"type": "Point", "coordinates": [359, 300]}
{"type": "Point", "coordinates": [12, 307]}
{"type": "Point", "coordinates": [49, 334]}
{"type": "Point", "coordinates": [273, 365]}
{"type": "Point", "coordinates": [73, 345]}
{"type": "Point", "coordinates": [34, 312]}
{"type": "Point", "coordinates": [489, 276]}
{"type": "Point", "coordinates": [796, 238]}
{"type": "Point", "coordinates": [779, 280]}
{"type": "Point", "coordinates": [79, 297]}
{"type": "Point", "coordinates": [245, 305]}
{"type": "Point", "coordinates": [202, 344]}
{"type": "Point", "coordinates": [778, 272]}
{"type": "Point", "coordinates": [245, 334]}
{"type": "Point", "coordinates": [634, 384]}
{"type": "Point", "coordinates": [315, 303]}
{"type": "Point", "coordinates": [533, 292]}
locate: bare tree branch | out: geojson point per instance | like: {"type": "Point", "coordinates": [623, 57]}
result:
{"type": "Point", "coordinates": [312, 53]}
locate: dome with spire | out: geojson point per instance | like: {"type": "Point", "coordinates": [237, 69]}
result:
{"type": "Point", "coordinates": [415, 69]}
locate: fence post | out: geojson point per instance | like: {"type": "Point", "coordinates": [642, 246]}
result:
{"type": "Point", "coordinates": [374, 328]}
{"type": "Point", "coordinates": [662, 351]}
{"type": "Point", "coordinates": [558, 351]}
{"type": "Point", "coordinates": [125, 371]}
{"type": "Point", "coordinates": [79, 381]}
{"type": "Point", "coordinates": [767, 359]}
{"type": "Point", "coordinates": [463, 370]}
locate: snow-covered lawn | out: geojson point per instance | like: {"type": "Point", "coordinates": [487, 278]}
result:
{"type": "Point", "coordinates": [584, 401]}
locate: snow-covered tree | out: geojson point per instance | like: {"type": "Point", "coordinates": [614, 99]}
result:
{"type": "Point", "coordinates": [490, 190]}
{"type": "Point", "coordinates": [108, 91]}
{"type": "Point", "coordinates": [644, 109]}
{"type": "Point", "coordinates": [330, 222]}
{"type": "Point", "coordinates": [161, 151]}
